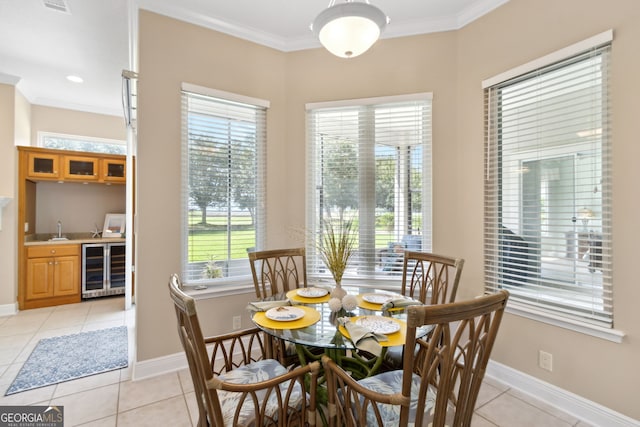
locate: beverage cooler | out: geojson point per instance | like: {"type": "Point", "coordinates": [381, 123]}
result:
{"type": "Point", "coordinates": [103, 269]}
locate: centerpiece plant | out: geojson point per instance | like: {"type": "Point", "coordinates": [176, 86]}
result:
{"type": "Point", "coordinates": [336, 247]}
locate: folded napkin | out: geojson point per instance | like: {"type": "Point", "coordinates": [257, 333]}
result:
{"type": "Point", "coordinates": [363, 338]}
{"type": "Point", "coordinates": [399, 303]}
{"type": "Point", "coordinates": [266, 305]}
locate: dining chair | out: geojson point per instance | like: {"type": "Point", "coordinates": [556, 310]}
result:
{"type": "Point", "coordinates": [431, 278]}
{"type": "Point", "coordinates": [278, 271]}
{"type": "Point", "coordinates": [439, 385]}
{"type": "Point", "coordinates": [239, 385]}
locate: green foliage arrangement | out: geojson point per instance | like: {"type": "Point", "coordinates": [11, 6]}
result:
{"type": "Point", "coordinates": [337, 246]}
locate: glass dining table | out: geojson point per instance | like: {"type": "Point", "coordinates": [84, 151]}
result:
{"type": "Point", "coordinates": [316, 326]}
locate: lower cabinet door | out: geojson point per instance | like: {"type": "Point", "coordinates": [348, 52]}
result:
{"type": "Point", "coordinates": [39, 278]}
{"type": "Point", "coordinates": [66, 278]}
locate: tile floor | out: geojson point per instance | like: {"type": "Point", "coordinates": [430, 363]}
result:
{"type": "Point", "coordinates": [112, 399]}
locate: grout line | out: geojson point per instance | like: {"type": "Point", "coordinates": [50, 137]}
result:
{"type": "Point", "coordinates": [502, 393]}
{"type": "Point", "coordinates": [476, 415]}
{"type": "Point", "coordinates": [534, 405]}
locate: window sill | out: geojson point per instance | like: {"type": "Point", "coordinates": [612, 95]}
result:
{"type": "Point", "coordinates": [522, 310]}
{"type": "Point", "coordinates": [237, 287]}
{"type": "Point", "coordinates": [245, 286]}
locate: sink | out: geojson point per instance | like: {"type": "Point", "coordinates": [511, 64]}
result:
{"type": "Point", "coordinates": [57, 239]}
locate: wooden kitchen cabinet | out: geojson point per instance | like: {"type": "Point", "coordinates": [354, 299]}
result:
{"type": "Point", "coordinates": [52, 275]}
{"type": "Point", "coordinates": [80, 168]}
{"type": "Point", "coordinates": [113, 170]}
{"type": "Point", "coordinates": [43, 165]}
{"type": "Point", "coordinates": [47, 278]}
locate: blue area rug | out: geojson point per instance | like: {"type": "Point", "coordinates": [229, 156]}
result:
{"type": "Point", "coordinates": [59, 359]}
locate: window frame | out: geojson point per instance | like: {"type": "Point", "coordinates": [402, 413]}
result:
{"type": "Point", "coordinates": [493, 166]}
{"type": "Point", "coordinates": [367, 135]}
{"type": "Point", "coordinates": [242, 282]}
{"type": "Point", "coordinates": [42, 136]}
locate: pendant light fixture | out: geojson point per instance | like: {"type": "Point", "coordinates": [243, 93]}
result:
{"type": "Point", "coordinates": [349, 29]}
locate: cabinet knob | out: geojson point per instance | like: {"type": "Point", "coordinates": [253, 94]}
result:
{"type": "Point", "coordinates": [53, 251]}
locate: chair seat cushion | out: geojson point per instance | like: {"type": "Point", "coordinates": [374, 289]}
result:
{"type": "Point", "coordinates": [252, 373]}
{"type": "Point", "coordinates": [389, 383]}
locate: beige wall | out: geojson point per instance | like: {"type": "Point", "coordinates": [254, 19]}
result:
{"type": "Point", "coordinates": [8, 178]}
{"type": "Point", "coordinates": [22, 120]}
{"type": "Point", "coordinates": [516, 33]}
{"type": "Point", "coordinates": [70, 122]}
{"type": "Point", "coordinates": [172, 52]}
{"type": "Point", "coordinates": [452, 66]}
{"type": "Point", "coordinates": [80, 207]}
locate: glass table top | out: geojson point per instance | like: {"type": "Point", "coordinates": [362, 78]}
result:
{"type": "Point", "coordinates": [323, 332]}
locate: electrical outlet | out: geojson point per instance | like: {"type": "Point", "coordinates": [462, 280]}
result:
{"type": "Point", "coordinates": [545, 360]}
{"type": "Point", "coordinates": [237, 322]}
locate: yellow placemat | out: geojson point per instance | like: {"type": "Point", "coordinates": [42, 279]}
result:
{"type": "Point", "coordinates": [367, 305]}
{"type": "Point", "coordinates": [396, 338]}
{"type": "Point", "coordinates": [310, 317]}
{"type": "Point", "coordinates": [293, 296]}
{"type": "Point", "coordinates": [371, 306]}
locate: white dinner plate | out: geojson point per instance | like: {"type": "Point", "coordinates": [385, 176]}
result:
{"type": "Point", "coordinates": [284, 313]}
{"type": "Point", "coordinates": [377, 298]}
{"type": "Point", "coordinates": [312, 292]}
{"type": "Point", "coordinates": [379, 324]}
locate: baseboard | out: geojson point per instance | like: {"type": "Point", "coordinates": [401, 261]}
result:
{"type": "Point", "coordinates": [586, 410]}
{"type": "Point", "coordinates": [158, 366]}
{"type": "Point", "coordinates": [8, 309]}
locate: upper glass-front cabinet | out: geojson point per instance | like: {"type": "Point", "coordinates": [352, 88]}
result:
{"type": "Point", "coordinates": [43, 165]}
{"type": "Point", "coordinates": [81, 168]}
{"type": "Point", "coordinates": [50, 165]}
{"type": "Point", "coordinates": [114, 170]}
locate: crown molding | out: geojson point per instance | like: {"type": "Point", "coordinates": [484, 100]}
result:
{"type": "Point", "coordinates": [8, 79]}
{"type": "Point", "coordinates": [395, 29]}
{"type": "Point", "coordinates": [476, 10]}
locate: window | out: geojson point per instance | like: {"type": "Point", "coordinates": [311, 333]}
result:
{"type": "Point", "coordinates": [81, 143]}
{"type": "Point", "coordinates": [548, 186]}
{"type": "Point", "coordinates": [369, 162]}
{"type": "Point", "coordinates": [223, 177]}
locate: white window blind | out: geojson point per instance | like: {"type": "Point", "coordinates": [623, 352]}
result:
{"type": "Point", "coordinates": [223, 179]}
{"type": "Point", "coordinates": [548, 188]}
{"type": "Point", "coordinates": [369, 162]}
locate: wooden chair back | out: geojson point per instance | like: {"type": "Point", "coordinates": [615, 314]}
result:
{"type": "Point", "coordinates": [455, 358]}
{"type": "Point", "coordinates": [430, 278]}
{"type": "Point", "coordinates": [278, 397]}
{"type": "Point", "coordinates": [445, 375]}
{"type": "Point", "coordinates": [278, 271]}
{"type": "Point", "coordinates": [195, 350]}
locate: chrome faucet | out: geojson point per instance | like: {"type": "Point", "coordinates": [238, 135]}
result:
{"type": "Point", "coordinates": [59, 229]}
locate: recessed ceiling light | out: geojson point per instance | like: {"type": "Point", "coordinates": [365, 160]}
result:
{"type": "Point", "coordinates": [75, 79]}
{"type": "Point", "coordinates": [58, 5]}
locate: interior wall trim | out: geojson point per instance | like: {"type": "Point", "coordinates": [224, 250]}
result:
{"type": "Point", "coordinates": [158, 366]}
{"type": "Point", "coordinates": [586, 410]}
{"type": "Point", "coordinates": [8, 309]}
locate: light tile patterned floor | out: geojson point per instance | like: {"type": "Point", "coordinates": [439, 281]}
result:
{"type": "Point", "coordinates": [112, 399]}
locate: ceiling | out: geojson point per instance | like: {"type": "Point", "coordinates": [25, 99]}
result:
{"type": "Point", "coordinates": [40, 45]}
